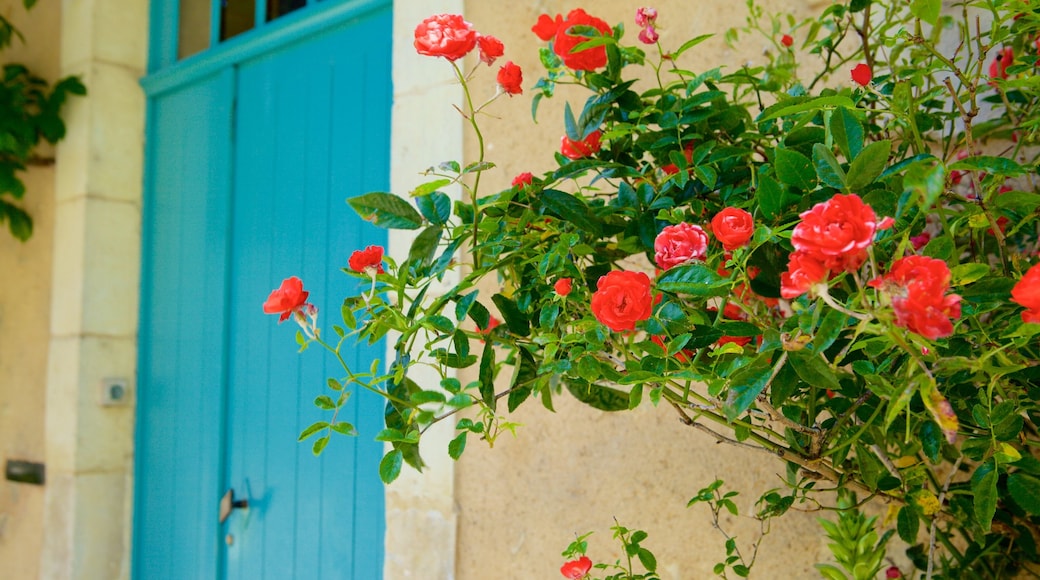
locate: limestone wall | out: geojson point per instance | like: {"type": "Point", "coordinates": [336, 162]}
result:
{"type": "Point", "coordinates": [521, 503]}
{"type": "Point", "coordinates": [25, 301]}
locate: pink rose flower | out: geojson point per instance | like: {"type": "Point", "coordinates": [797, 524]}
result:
{"type": "Point", "coordinates": [447, 35]}
{"type": "Point", "coordinates": [678, 244]}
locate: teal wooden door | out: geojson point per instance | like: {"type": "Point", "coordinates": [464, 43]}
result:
{"type": "Point", "coordinates": [249, 162]}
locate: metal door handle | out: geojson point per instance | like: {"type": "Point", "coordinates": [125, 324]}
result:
{"type": "Point", "coordinates": [229, 503]}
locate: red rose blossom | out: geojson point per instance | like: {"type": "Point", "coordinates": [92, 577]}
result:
{"type": "Point", "coordinates": [490, 48]}
{"type": "Point", "coordinates": [370, 257]}
{"type": "Point", "coordinates": [685, 355]}
{"type": "Point", "coordinates": [621, 299]}
{"type": "Point", "coordinates": [837, 232]}
{"type": "Point", "coordinates": [546, 27]}
{"type": "Point", "coordinates": [803, 272]}
{"type": "Point", "coordinates": [576, 569]}
{"type": "Point", "coordinates": [572, 149]}
{"type": "Point", "coordinates": [564, 43]}
{"type": "Point", "coordinates": [288, 298]}
{"type": "Point", "coordinates": [510, 78]}
{"type": "Point", "coordinates": [447, 35]}
{"type": "Point", "coordinates": [918, 286]}
{"type": "Point", "coordinates": [732, 227]}
{"type": "Point", "coordinates": [672, 169]}
{"type": "Point", "coordinates": [861, 74]}
{"type": "Point", "coordinates": [523, 180]}
{"type": "Point", "coordinates": [1001, 62]}
{"type": "Point", "coordinates": [1026, 292]}
{"type": "Point", "coordinates": [679, 243]}
{"type": "Point", "coordinates": [786, 40]}
{"type": "Point", "coordinates": [893, 573]}
{"type": "Point", "coordinates": [563, 286]}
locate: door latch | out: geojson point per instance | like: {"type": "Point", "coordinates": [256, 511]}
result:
{"type": "Point", "coordinates": [229, 503]}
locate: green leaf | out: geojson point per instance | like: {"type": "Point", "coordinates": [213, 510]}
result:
{"type": "Point", "coordinates": [997, 165]}
{"type": "Point", "coordinates": [694, 280]}
{"type": "Point", "coordinates": [907, 523]}
{"type": "Point", "coordinates": [847, 132]}
{"type": "Point", "coordinates": [319, 445]}
{"type": "Point", "coordinates": [516, 321]}
{"type": "Point", "coordinates": [794, 169]}
{"type": "Point", "coordinates": [424, 190]}
{"type": "Point", "coordinates": [1025, 490]}
{"type": "Point", "coordinates": [827, 167]}
{"type": "Point", "coordinates": [386, 210]}
{"type": "Point", "coordinates": [927, 180]}
{"type": "Point", "coordinates": [984, 492]}
{"type": "Point", "coordinates": [487, 376]}
{"type": "Point", "coordinates": [347, 312]}
{"type": "Point", "coordinates": [784, 108]}
{"type": "Point", "coordinates": [424, 246]}
{"type": "Point", "coordinates": [309, 431]}
{"type": "Point", "coordinates": [869, 164]}
{"type": "Point", "coordinates": [18, 221]}
{"type": "Point", "coordinates": [523, 380]}
{"type": "Point", "coordinates": [572, 209]}
{"type": "Point", "coordinates": [596, 396]}
{"type": "Point", "coordinates": [344, 428]}
{"type": "Point", "coordinates": [813, 370]}
{"type": "Point", "coordinates": [746, 384]}
{"type": "Point", "coordinates": [647, 559]}
{"type": "Point", "coordinates": [324, 402]}
{"type": "Point", "coordinates": [691, 43]}
{"type": "Point", "coordinates": [390, 466]}
{"type": "Point", "coordinates": [968, 273]}
{"type": "Point", "coordinates": [435, 207]}
{"type": "Point", "coordinates": [457, 445]}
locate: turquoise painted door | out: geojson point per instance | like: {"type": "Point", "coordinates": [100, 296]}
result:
{"type": "Point", "coordinates": [249, 162]}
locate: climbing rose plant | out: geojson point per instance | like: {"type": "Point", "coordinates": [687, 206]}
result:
{"type": "Point", "coordinates": [830, 256]}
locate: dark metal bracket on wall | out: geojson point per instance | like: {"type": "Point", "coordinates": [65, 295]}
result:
{"type": "Point", "coordinates": [25, 471]}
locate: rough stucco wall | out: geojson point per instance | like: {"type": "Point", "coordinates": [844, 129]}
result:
{"type": "Point", "coordinates": [24, 313]}
{"type": "Point", "coordinates": [574, 471]}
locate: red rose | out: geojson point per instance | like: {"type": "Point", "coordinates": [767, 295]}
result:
{"type": "Point", "coordinates": [490, 48]}
{"type": "Point", "coordinates": [546, 27]}
{"type": "Point", "coordinates": [678, 244]}
{"type": "Point", "coordinates": [893, 573]}
{"type": "Point", "coordinates": [861, 74]}
{"type": "Point", "coordinates": [998, 68]}
{"type": "Point", "coordinates": [523, 180]}
{"type": "Point", "coordinates": [572, 149]}
{"type": "Point", "coordinates": [563, 286]}
{"type": "Point", "coordinates": [288, 298]}
{"type": "Point", "coordinates": [564, 43]}
{"type": "Point", "coordinates": [787, 41]}
{"type": "Point", "coordinates": [576, 569]}
{"type": "Point", "coordinates": [370, 257]}
{"type": "Point", "coordinates": [510, 78]}
{"type": "Point", "coordinates": [732, 227]}
{"type": "Point", "coordinates": [837, 232]}
{"type": "Point", "coordinates": [803, 272]}
{"type": "Point", "coordinates": [918, 285]}
{"type": "Point", "coordinates": [621, 299]}
{"type": "Point", "coordinates": [447, 35]}
{"type": "Point", "coordinates": [1027, 293]}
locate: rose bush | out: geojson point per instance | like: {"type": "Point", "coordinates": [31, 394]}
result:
{"type": "Point", "coordinates": [865, 309]}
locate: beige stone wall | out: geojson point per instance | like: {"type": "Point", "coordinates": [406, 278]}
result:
{"type": "Point", "coordinates": [25, 300]}
{"type": "Point", "coordinates": [574, 471]}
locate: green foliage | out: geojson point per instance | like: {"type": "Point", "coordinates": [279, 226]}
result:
{"type": "Point", "coordinates": [914, 388]}
{"type": "Point", "coordinates": [30, 111]}
{"type": "Point", "coordinates": [854, 543]}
